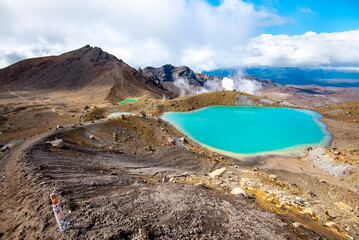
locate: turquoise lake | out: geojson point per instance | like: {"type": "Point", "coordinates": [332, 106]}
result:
{"type": "Point", "coordinates": [239, 131]}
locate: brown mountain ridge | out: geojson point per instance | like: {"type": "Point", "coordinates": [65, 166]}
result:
{"type": "Point", "coordinates": [88, 69]}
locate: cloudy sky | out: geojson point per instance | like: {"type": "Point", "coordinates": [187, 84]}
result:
{"type": "Point", "coordinates": [202, 34]}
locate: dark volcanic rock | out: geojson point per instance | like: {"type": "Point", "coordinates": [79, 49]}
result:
{"type": "Point", "coordinates": [168, 74]}
{"type": "Point", "coordinates": [183, 80]}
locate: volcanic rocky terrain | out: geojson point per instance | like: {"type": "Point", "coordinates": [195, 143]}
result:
{"type": "Point", "coordinates": [137, 177]}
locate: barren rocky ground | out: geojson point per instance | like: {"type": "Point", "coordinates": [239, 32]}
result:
{"type": "Point", "coordinates": [133, 177]}
{"type": "Point", "coordinates": [311, 96]}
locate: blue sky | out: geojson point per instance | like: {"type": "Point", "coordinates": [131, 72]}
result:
{"type": "Point", "coordinates": [310, 15]}
{"type": "Point", "coordinates": [201, 34]}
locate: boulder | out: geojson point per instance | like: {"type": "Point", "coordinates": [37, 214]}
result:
{"type": "Point", "coordinates": [170, 140]}
{"type": "Point", "coordinates": [217, 173]}
{"type": "Point", "coordinates": [297, 224]}
{"type": "Point", "coordinates": [92, 137]}
{"type": "Point", "coordinates": [273, 177]}
{"type": "Point", "coordinates": [333, 225]}
{"type": "Point", "coordinates": [58, 143]}
{"type": "Point", "coordinates": [237, 191]}
{"type": "Point", "coordinates": [310, 213]}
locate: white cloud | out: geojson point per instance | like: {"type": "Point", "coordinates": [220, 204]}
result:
{"type": "Point", "coordinates": [307, 10]}
{"type": "Point", "coordinates": [156, 32]}
{"type": "Point", "coordinates": [345, 69]}
{"type": "Point", "coordinates": [307, 50]}
{"type": "Point", "coordinates": [141, 32]}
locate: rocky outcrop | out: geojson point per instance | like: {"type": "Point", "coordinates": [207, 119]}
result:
{"type": "Point", "coordinates": [177, 79]}
{"type": "Point", "coordinates": [243, 100]}
{"type": "Point", "coordinates": [169, 73]}
{"type": "Point", "coordinates": [183, 81]}
{"type": "Point", "coordinates": [217, 173]}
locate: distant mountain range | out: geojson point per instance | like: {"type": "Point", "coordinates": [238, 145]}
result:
{"type": "Point", "coordinates": [298, 76]}
{"type": "Point", "coordinates": [93, 73]}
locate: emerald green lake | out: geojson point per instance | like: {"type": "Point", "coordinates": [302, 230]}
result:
{"type": "Point", "coordinates": [239, 131]}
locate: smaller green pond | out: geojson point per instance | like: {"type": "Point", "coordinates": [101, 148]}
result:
{"type": "Point", "coordinates": [239, 131]}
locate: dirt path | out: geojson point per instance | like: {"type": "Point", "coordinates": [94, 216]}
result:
{"type": "Point", "coordinates": [18, 199]}
{"type": "Point", "coordinates": [17, 95]}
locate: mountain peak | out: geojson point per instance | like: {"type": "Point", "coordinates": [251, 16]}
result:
{"type": "Point", "coordinates": [85, 69]}
{"type": "Point", "coordinates": [93, 54]}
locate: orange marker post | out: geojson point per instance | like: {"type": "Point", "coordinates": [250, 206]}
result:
{"type": "Point", "coordinates": [60, 218]}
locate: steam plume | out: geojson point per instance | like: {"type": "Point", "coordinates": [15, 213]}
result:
{"type": "Point", "coordinates": [238, 83]}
